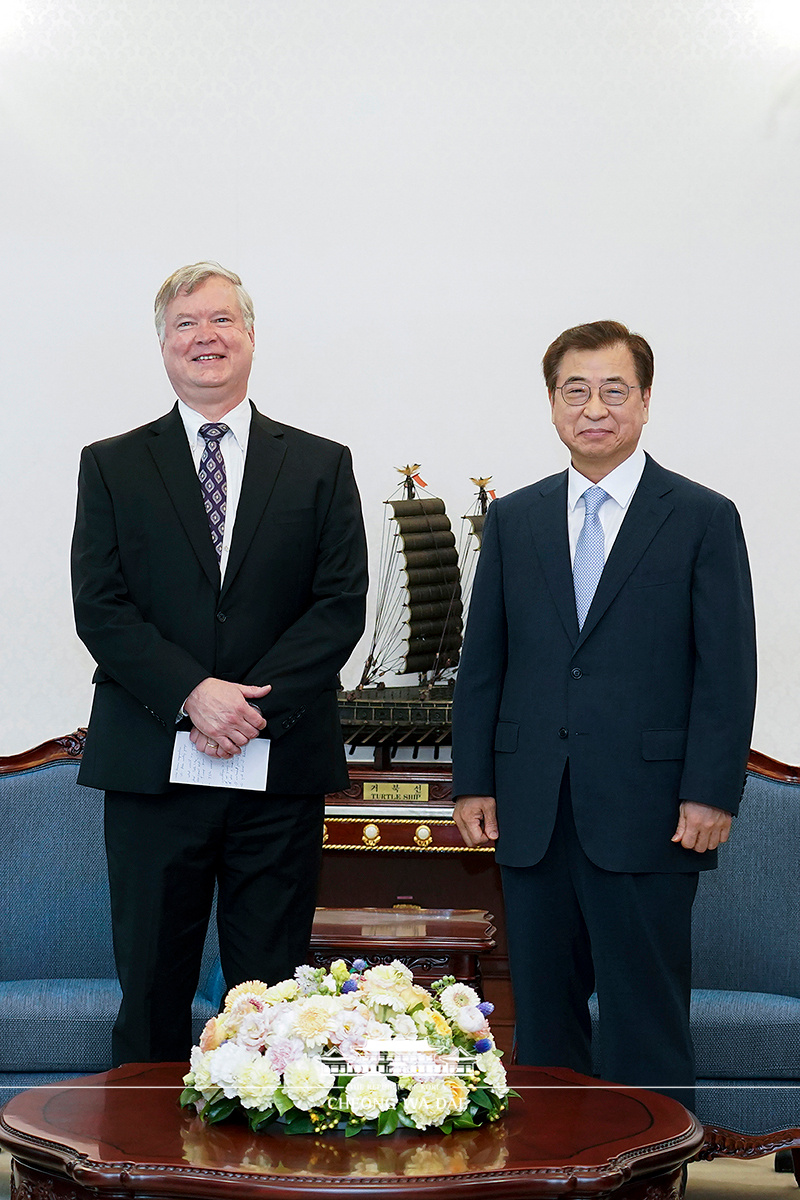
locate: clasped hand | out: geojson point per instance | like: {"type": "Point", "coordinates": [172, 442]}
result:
{"type": "Point", "coordinates": [223, 719]}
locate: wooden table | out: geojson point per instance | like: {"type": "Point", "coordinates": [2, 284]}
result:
{"type": "Point", "coordinates": [121, 1134]}
{"type": "Point", "coordinates": [432, 942]}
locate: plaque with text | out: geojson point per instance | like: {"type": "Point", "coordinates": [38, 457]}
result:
{"type": "Point", "coordinates": [383, 790]}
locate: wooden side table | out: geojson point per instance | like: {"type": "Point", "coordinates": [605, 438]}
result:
{"type": "Point", "coordinates": [122, 1134]}
{"type": "Point", "coordinates": [431, 942]}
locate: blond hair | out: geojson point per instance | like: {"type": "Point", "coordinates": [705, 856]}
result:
{"type": "Point", "coordinates": [186, 279]}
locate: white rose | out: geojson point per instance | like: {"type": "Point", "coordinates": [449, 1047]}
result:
{"type": "Point", "coordinates": [224, 1065]}
{"type": "Point", "coordinates": [370, 1095]}
{"type": "Point", "coordinates": [429, 1103]}
{"type": "Point", "coordinates": [493, 1072]}
{"type": "Point", "coordinates": [403, 1025]}
{"type": "Point", "coordinates": [307, 1082]}
{"type": "Point", "coordinates": [471, 1020]}
{"type": "Point", "coordinates": [257, 1083]}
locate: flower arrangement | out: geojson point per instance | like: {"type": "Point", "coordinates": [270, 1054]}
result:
{"type": "Point", "coordinates": [354, 1048]}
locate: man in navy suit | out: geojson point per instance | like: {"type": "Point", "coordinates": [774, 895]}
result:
{"type": "Point", "coordinates": [219, 576]}
{"type": "Point", "coordinates": [602, 720]}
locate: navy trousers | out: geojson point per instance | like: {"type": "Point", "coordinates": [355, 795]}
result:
{"type": "Point", "coordinates": [165, 853]}
{"type": "Point", "coordinates": [574, 928]}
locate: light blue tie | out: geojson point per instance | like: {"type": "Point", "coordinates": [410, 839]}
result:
{"type": "Point", "coordinates": [590, 552]}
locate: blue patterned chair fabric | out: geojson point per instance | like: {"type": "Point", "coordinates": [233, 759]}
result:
{"type": "Point", "coordinates": [745, 1012]}
{"type": "Point", "coordinates": [58, 988]}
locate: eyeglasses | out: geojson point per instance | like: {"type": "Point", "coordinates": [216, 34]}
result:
{"type": "Point", "coordinates": [578, 394]}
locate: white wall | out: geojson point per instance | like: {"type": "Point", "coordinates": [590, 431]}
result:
{"type": "Point", "coordinates": [420, 194]}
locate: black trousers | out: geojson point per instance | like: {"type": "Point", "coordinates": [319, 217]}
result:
{"type": "Point", "coordinates": [573, 927]}
{"type": "Point", "coordinates": [165, 853]}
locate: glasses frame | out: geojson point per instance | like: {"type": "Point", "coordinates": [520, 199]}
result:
{"type": "Point", "coordinates": [609, 383]}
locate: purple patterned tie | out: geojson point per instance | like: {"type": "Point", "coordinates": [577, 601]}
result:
{"type": "Point", "coordinates": [213, 482]}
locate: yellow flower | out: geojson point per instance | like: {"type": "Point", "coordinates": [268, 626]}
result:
{"type": "Point", "coordinates": [440, 1024]}
{"type": "Point", "coordinates": [340, 970]}
{"type": "Point", "coordinates": [314, 1019]}
{"type": "Point", "coordinates": [287, 989]}
{"type": "Point", "coordinates": [413, 994]}
{"type": "Point", "coordinates": [253, 987]}
{"type": "Point", "coordinates": [460, 1095]}
{"type": "Point", "coordinates": [214, 1034]}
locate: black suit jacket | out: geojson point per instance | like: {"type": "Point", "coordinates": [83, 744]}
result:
{"type": "Point", "coordinates": [653, 700]}
{"type": "Point", "coordinates": [149, 607]}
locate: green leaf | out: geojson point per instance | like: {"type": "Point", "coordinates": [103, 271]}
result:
{"type": "Point", "coordinates": [352, 1130]}
{"type": "Point", "coordinates": [388, 1121]}
{"type": "Point", "coordinates": [190, 1095]}
{"type": "Point", "coordinates": [258, 1118]}
{"type": "Point", "coordinates": [481, 1098]}
{"type": "Point", "coordinates": [219, 1110]}
{"type": "Point", "coordinates": [404, 1120]}
{"type": "Point", "coordinates": [464, 1121]}
{"type": "Point", "coordinates": [511, 1094]}
{"type": "Point", "coordinates": [282, 1101]}
{"type": "Point", "coordinates": [300, 1124]}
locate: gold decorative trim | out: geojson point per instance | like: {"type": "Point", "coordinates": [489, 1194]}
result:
{"type": "Point", "coordinates": [371, 835]}
{"type": "Point", "coordinates": [422, 845]}
{"type": "Point", "coordinates": [423, 837]}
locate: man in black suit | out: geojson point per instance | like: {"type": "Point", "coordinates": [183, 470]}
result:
{"type": "Point", "coordinates": [602, 720]}
{"type": "Point", "coordinates": [219, 577]}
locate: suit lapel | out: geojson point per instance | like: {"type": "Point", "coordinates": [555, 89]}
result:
{"type": "Point", "coordinates": [265, 453]}
{"type": "Point", "coordinates": [548, 522]}
{"type": "Point", "coordinates": [173, 458]}
{"type": "Point", "coordinates": [648, 511]}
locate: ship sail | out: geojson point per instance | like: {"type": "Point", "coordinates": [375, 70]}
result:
{"type": "Point", "coordinates": [418, 626]}
{"type": "Point", "coordinates": [433, 583]}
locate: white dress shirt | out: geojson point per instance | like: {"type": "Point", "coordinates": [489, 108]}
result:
{"type": "Point", "coordinates": [620, 484]}
{"type": "Point", "coordinates": [233, 445]}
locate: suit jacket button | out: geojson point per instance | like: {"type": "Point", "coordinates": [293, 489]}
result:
{"type": "Point", "coordinates": [562, 733]}
{"type": "Point", "coordinates": [576, 672]}
{"type": "Point", "coordinates": [221, 617]}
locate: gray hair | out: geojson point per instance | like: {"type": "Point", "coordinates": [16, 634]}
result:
{"type": "Point", "coordinates": [187, 279]}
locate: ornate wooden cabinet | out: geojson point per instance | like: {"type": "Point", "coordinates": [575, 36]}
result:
{"type": "Point", "coordinates": [390, 839]}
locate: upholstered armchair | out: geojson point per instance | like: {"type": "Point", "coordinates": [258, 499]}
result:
{"type": "Point", "coordinates": [745, 1013]}
{"type": "Point", "coordinates": [58, 987]}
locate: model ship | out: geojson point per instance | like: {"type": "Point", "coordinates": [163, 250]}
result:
{"type": "Point", "coordinates": [423, 584]}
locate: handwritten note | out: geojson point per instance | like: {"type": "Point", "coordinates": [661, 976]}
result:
{"type": "Point", "coordinates": [246, 770]}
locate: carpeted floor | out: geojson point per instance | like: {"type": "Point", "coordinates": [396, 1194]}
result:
{"type": "Point", "coordinates": [725, 1179]}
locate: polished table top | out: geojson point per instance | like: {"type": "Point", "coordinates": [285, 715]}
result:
{"type": "Point", "coordinates": [567, 1135]}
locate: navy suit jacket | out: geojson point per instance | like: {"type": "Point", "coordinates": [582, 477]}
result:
{"type": "Point", "coordinates": [652, 701]}
{"type": "Point", "coordinates": [150, 609]}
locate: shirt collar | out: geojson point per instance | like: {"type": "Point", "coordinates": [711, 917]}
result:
{"type": "Point", "coordinates": [237, 420]}
{"type": "Point", "coordinates": [620, 483]}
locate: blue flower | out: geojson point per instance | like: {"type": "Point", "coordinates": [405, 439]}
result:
{"type": "Point", "coordinates": [349, 985]}
{"type": "Point", "coordinates": [486, 1007]}
{"type": "Point", "coordinates": [358, 965]}
{"type": "Point", "coordinates": [482, 1045]}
